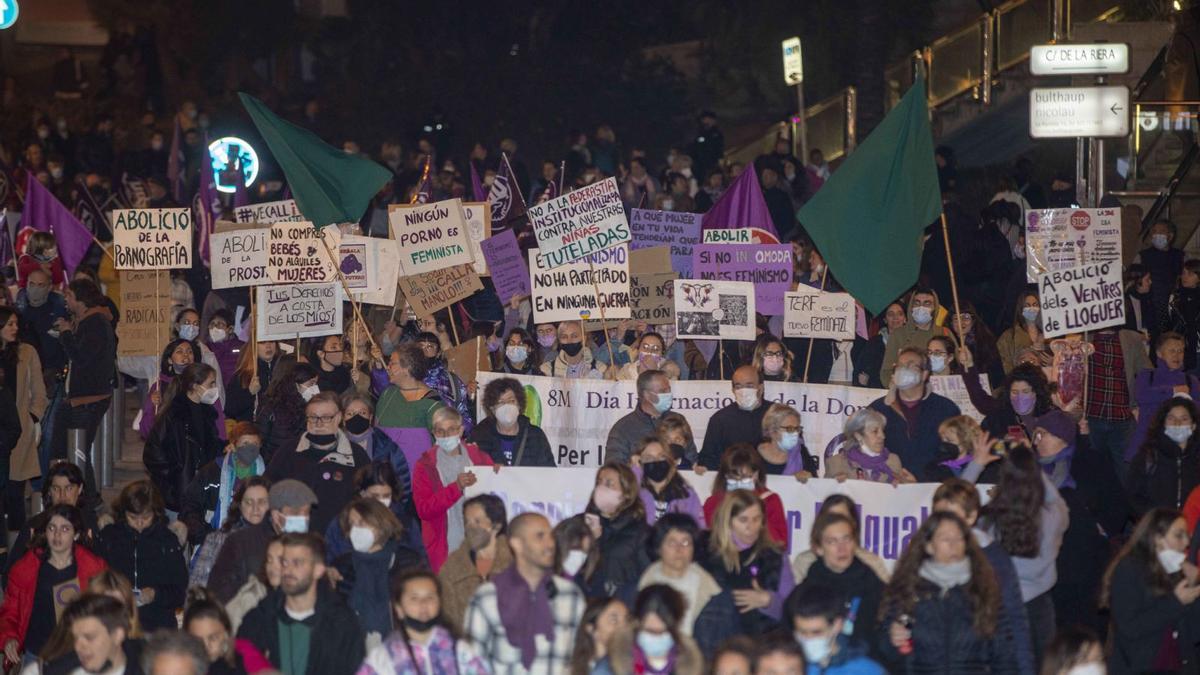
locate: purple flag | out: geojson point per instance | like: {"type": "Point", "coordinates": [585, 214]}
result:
{"type": "Point", "coordinates": [742, 205]}
{"type": "Point", "coordinates": [175, 164]}
{"type": "Point", "coordinates": [505, 196]}
{"type": "Point", "coordinates": [206, 205]}
{"type": "Point", "coordinates": [476, 185]}
{"type": "Point", "coordinates": [43, 212]}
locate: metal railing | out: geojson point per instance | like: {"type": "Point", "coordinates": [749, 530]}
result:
{"type": "Point", "coordinates": [831, 129]}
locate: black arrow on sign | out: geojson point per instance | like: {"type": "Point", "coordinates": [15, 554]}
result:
{"type": "Point", "coordinates": [1115, 108]}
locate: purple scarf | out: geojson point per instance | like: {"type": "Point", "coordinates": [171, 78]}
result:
{"type": "Point", "coordinates": [872, 467]}
{"type": "Point", "coordinates": [524, 613]}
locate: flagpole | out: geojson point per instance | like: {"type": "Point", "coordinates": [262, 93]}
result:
{"type": "Point", "coordinates": [953, 280]}
{"type": "Point", "coordinates": [92, 201]}
{"type": "Point", "coordinates": [808, 359]}
{"type": "Point", "coordinates": [612, 360]}
{"type": "Point", "coordinates": [424, 177]}
{"type": "Point", "coordinates": [253, 338]}
{"type": "Point", "coordinates": [520, 195]}
{"type": "Point", "coordinates": [450, 320]}
{"type": "Point", "coordinates": [562, 175]}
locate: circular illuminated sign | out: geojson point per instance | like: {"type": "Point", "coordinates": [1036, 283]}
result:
{"type": "Point", "coordinates": [229, 156]}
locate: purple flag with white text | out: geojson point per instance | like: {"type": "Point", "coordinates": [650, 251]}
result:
{"type": "Point", "coordinates": [507, 202]}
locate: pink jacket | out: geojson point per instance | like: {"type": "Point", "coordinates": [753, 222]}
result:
{"type": "Point", "coordinates": [433, 500]}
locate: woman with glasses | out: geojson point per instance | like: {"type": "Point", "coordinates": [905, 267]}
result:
{"type": "Point", "coordinates": [648, 353]}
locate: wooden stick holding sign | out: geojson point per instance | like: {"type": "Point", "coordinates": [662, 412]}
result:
{"type": "Point", "coordinates": [953, 280]}
{"type": "Point", "coordinates": [157, 333]}
{"type": "Point", "coordinates": [808, 359]}
{"type": "Point", "coordinates": [253, 340]}
{"type": "Point", "coordinates": [612, 360]}
{"type": "Point", "coordinates": [337, 270]}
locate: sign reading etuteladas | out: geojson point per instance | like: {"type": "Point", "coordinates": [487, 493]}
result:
{"type": "Point", "coordinates": [580, 223]}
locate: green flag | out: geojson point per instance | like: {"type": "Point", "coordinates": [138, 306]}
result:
{"type": "Point", "coordinates": [867, 219]}
{"type": "Point", "coordinates": [329, 185]}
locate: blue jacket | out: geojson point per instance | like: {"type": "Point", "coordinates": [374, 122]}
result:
{"type": "Point", "coordinates": [851, 659]}
{"type": "Point", "coordinates": [384, 448]}
{"type": "Point", "coordinates": [1012, 624]}
{"type": "Point", "coordinates": [916, 447]}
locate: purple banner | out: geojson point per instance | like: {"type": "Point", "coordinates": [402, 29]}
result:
{"type": "Point", "coordinates": [768, 266]}
{"type": "Point", "coordinates": [506, 265]}
{"type": "Point", "coordinates": [680, 231]}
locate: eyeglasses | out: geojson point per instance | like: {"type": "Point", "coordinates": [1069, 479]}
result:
{"type": "Point", "coordinates": [772, 353]}
{"type": "Point", "coordinates": [320, 419]}
{"type": "Point", "coordinates": [792, 429]}
{"type": "Point", "coordinates": [651, 349]}
{"type": "Point", "coordinates": [935, 353]}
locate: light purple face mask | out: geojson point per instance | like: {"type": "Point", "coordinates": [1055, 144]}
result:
{"type": "Point", "coordinates": [1023, 403]}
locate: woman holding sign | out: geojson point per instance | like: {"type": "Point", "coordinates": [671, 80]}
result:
{"type": "Point", "coordinates": [176, 357]}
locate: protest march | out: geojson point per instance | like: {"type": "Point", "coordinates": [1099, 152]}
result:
{"type": "Point", "coordinates": [287, 392]}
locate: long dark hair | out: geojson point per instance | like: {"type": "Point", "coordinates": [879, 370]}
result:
{"type": "Point", "coordinates": [585, 645]}
{"type": "Point", "coordinates": [1036, 379]}
{"type": "Point", "coordinates": [202, 604]}
{"type": "Point", "coordinates": [288, 374]}
{"type": "Point", "coordinates": [983, 341]}
{"type": "Point", "coordinates": [900, 595]}
{"type": "Point", "coordinates": [1015, 509]}
{"type": "Point", "coordinates": [399, 583]}
{"type": "Point", "coordinates": [1155, 435]}
{"type": "Point", "coordinates": [191, 376]}
{"type": "Point", "coordinates": [164, 362]}
{"type": "Point", "coordinates": [1142, 548]}
{"type": "Point", "coordinates": [8, 353]}
{"type": "Point", "coordinates": [69, 513]}
{"type": "Point", "coordinates": [235, 504]}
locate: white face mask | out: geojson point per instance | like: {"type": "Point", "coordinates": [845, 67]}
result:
{"type": "Point", "coordinates": [739, 484]}
{"type": "Point", "coordinates": [747, 399]}
{"type": "Point", "coordinates": [295, 523]}
{"type": "Point", "coordinates": [907, 377]}
{"type": "Point", "coordinates": [362, 538]}
{"type": "Point", "coordinates": [937, 363]}
{"type": "Point", "coordinates": [1171, 560]}
{"type": "Point", "coordinates": [386, 502]}
{"type": "Point", "coordinates": [1088, 669]}
{"type": "Point", "coordinates": [573, 562]}
{"type": "Point", "coordinates": [816, 649]}
{"type": "Point", "coordinates": [506, 414]}
{"type": "Point", "coordinates": [210, 396]}
{"type": "Point", "coordinates": [217, 334]}
{"type": "Point", "coordinates": [308, 392]}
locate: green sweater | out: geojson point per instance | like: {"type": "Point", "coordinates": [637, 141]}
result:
{"type": "Point", "coordinates": [393, 410]}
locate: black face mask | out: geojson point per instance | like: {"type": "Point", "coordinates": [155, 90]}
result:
{"type": "Point", "coordinates": [949, 449]}
{"type": "Point", "coordinates": [571, 349]}
{"type": "Point", "coordinates": [677, 451]}
{"type": "Point", "coordinates": [420, 626]}
{"type": "Point", "coordinates": [321, 440]}
{"type": "Point", "coordinates": [358, 424]}
{"type": "Point", "coordinates": [657, 471]}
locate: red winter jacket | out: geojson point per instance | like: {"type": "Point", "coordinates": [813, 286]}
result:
{"type": "Point", "coordinates": [22, 584]}
{"type": "Point", "coordinates": [433, 500]}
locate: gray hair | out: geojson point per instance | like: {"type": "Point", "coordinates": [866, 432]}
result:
{"type": "Point", "coordinates": [445, 413]}
{"type": "Point", "coordinates": [858, 423]}
{"type": "Point", "coordinates": [352, 396]}
{"type": "Point", "coordinates": [178, 643]}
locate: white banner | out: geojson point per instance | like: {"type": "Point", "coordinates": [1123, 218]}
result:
{"type": "Point", "coordinates": [888, 515]}
{"type": "Point", "coordinates": [812, 313]}
{"type": "Point", "coordinates": [479, 227]}
{"type": "Point", "coordinates": [577, 414]}
{"type": "Point", "coordinates": [954, 387]}
{"type": "Point", "coordinates": [1083, 298]}
{"type": "Point", "coordinates": [714, 309]}
{"type": "Point", "coordinates": [568, 292]}
{"type": "Point", "coordinates": [1060, 239]}
{"type": "Point", "coordinates": [298, 253]}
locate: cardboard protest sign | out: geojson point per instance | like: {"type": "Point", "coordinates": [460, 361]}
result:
{"type": "Point", "coordinates": [297, 254]}
{"type": "Point", "coordinates": [429, 292]}
{"type": "Point", "coordinates": [679, 231]}
{"type": "Point", "coordinates": [383, 267]}
{"type": "Point", "coordinates": [467, 359]}
{"type": "Point", "coordinates": [653, 297]}
{"type": "Point", "coordinates": [479, 227]}
{"type": "Point", "coordinates": [954, 388]}
{"type": "Point", "coordinates": [567, 292]}
{"type": "Point", "coordinates": [580, 223]}
{"type": "Point", "coordinates": [358, 262]}
{"type": "Point", "coordinates": [767, 266]}
{"type": "Point", "coordinates": [744, 235]}
{"type": "Point", "coordinates": [239, 254]}
{"type": "Point", "coordinates": [654, 260]}
{"type": "Point", "coordinates": [1083, 298]}
{"type": "Point", "coordinates": [430, 236]}
{"type": "Point", "coordinates": [145, 306]}
{"type": "Point", "coordinates": [152, 239]}
{"type": "Point", "coordinates": [810, 313]}
{"type": "Point", "coordinates": [269, 212]}
{"type": "Point", "coordinates": [714, 309]}
{"type": "Point", "coordinates": [509, 274]}
{"type": "Point", "coordinates": [1060, 239]}
{"type": "Point", "coordinates": [298, 310]}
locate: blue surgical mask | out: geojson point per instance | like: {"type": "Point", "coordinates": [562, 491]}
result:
{"type": "Point", "coordinates": [937, 363]}
{"type": "Point", "coordinates": [295, 523]}
{"type": "Point", "coordinates": [189, 332]}
{"type": "Point", "coordinates": [739, 484]}
{"type": "Point", "coordinates": [663, 404]}
{"type": "Point", "coordinates": [448, 443]}
{"type": "Point", "coordinates": [922, 315]}
{"type": "Point", "coordinates": [1179, 433]}
{"type": "Point", "coordinates": [816, 650]}
{"type": "Point", "coordinates": [1030, 314]}
{"type": "Point", "coordinates": [517, 353]}
{"type": "Point", "coordinates": [789, 440]}
{"type": "Point", "coordinates": [655, 645]}
{"type": "Point", "coordinates": [1159, 241]}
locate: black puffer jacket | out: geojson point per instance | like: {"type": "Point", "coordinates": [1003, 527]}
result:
{"type": "Point", "coordinates": [943, 639]}
{"type": "Point", "coordinates": [179, 445]}
{"type": "Point", "coordinates": [151, 558]}
{"type": "Point", "coordinates": [1164, 477]}
{"type": "Point", "coordinates": [341, 644]}
{"type": "Point", "coordinates": [536, 450]}
{"type": "Point", "coordinates": [623, 554]}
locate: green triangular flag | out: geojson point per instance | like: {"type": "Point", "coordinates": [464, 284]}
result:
{"type": "Point", "coordinates": [867, 220]}
{"type": "Point", "coordinates": [329, 186]}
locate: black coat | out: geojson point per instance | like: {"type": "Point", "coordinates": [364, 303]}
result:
{"type": "Point", "coordinates": [867, 359]}
{"type": "Point", "coordinates": [179, 445]}
{"type": "Point", "coordinates": [337, 645]}
{"type": "Point", "coordinates": [537, 450]}
{"type": "Point", "coordinates": [240, 404]}
{"type": "Point", "coordinates": [92, 350]}
{"type": "Point", "coordinates": [1184, 313]}
{"type": "Point", "coordinates": [154, 559]}
{"type": "Point", "coordinates": [623, 554]}
{"type": "Point", "coordinates": [943, 638]}
{"type": "Point", "coordinates": [1140, 620]}
{"type": "Point", "coordinates": [240, 557]}
{"type": "Point", "coordinates": [1164, 477]}
{"type": "Point", "coordinates": [857, 583]}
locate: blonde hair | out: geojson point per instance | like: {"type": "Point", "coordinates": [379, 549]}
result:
{"type": "Point", "coordinates": [774, 417]}
{"type": "Point", "coordinates": [965, 430]}
{"type": "Point", "coordinates": [720, 541]}
{"type": "Point", "coordinates": [757, 360]}
{"type": "Point", "coordinates": [631, 499]}
{"type": "Point", "coordinates": [112, 580]}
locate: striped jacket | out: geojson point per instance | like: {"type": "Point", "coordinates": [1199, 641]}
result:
{"type": "Point", "coordinates": [484, 628]}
